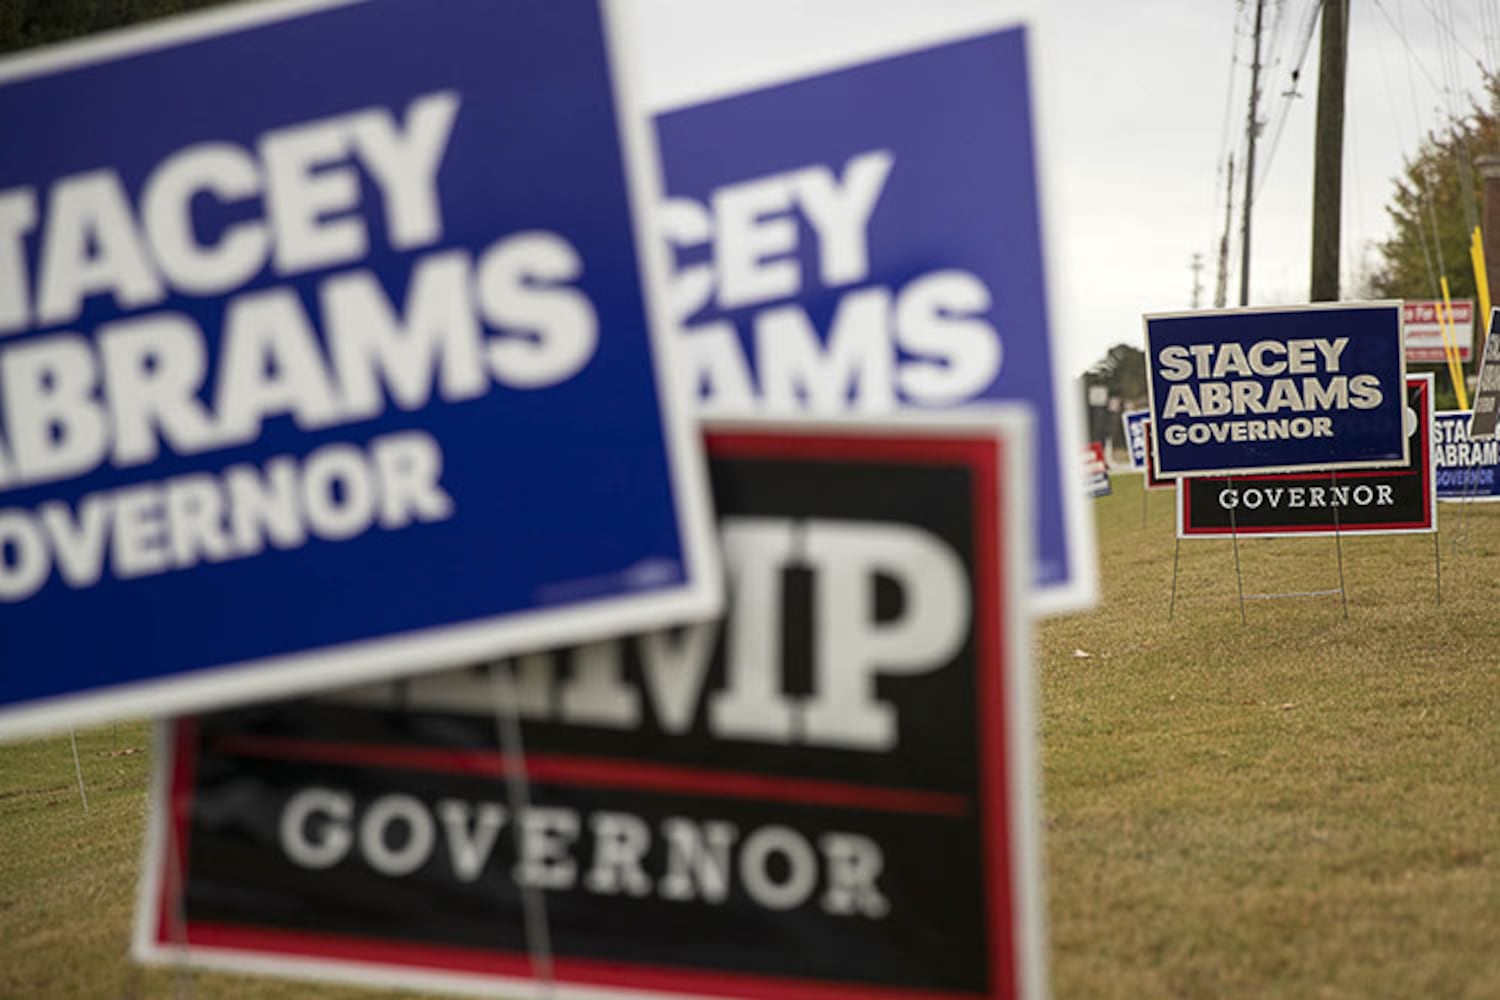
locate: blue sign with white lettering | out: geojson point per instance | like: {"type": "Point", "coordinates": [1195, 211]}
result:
{"type": "Point", "coordinates": [1268, 390]}
{"type": "Point", "coordinates": [869, 238]}
{"type": "Point", "coordinates": [1467, 469]}
{"type": "Point", "coordinates": [323, 356]}
{"type": "Point", "coordinates": [1137, 424]}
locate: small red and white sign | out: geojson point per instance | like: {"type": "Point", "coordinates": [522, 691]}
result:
{"type": "Point", "coordinates": [1423, 320]}
{"type": "Point", "coordinates": [1095, 470]}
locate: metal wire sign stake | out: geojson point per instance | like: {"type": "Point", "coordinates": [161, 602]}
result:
{"type": "Point", "coordinates": [518, 792]}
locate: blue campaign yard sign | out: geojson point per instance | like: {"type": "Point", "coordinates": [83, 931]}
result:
{"type": "Point", "coordinates": [1466, 469]}
{"type": "Point", "coordinates": [324, 356]}
{"type": "Point", "coordinates": [1136, 424]}
{"type": "Point", "coordinates": [871, 237]}
{"type": "Point", "coordinates": [1275, 389]}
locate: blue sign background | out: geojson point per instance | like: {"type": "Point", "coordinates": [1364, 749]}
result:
{"type": "Point", "coordinates": [961, 194]}
{"type": "Point", "coordinates": [1466, 470]}
{"type": "Point", "coordinates": [1360, 438]}
{"type": "Point", "coordinates": [1135, 422]}
{"type": "Point", "coordinates": [562, 495]}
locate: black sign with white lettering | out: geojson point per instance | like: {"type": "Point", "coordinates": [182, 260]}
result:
{"type": "Point", "coordinates": [825, 794]}
{"type": "Point", "coordinates": [1373, 501]}
{"type": "Point", "coordinates": [1482, 423]}
{"type": "Point", "coordinates": [1152, 480]}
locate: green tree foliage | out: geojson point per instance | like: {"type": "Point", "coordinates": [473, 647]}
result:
{"type": "Point", "coordinates": [28, 23]}
{"type": "Point", "coordinates": [1429, 198]}
{"type": "Point", "coordinates": [1123, 370]}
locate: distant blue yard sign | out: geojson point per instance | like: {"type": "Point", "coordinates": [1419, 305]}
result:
{"type": "Point", "coordinates": [1466, 469]}
{"type": "Point", "coordinates": [871, 237]}
{"type": "Point", "coordinates": [1268, 390]}
{"type": "Point", "coordinates": [1137, 423]}
{"type": "Point", "coordinates": [324, 356]}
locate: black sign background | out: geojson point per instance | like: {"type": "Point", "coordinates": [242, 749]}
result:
{"type": "Point", "coordinates": [1200, 514]}
{"type": "Point", "coordinates": [1152, 481]}
{"type": "Point", "coordinates": [1486, 410]}
{"type": "Point", "coordinates": [939, 805]}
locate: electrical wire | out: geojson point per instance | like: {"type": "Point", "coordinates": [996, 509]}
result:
{"type": "Point", "coordinates": [1287, 98]}
{"type": "Point", "coordinates": [1401, 136]}
{"type": "Point", "coordinates": [1411, 55]}
{"type": "Point", "coordinates": [1447, 26]}
{"type": "Point", "coordinates": [1225, 151]}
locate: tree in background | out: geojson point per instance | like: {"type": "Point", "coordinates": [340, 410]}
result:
{"type": "Point", "coordinates": [1122, 371]}
{"type": "Point", "coordinates": [1434, 210]}
{"type": "Point", "coordinates": [1430, 198]}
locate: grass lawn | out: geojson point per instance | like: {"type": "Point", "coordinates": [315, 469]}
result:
{"type": "Point", "coordinates": [1303, 807]}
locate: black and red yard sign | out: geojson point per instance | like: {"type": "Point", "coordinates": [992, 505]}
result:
{"type": "Point", "coordinates": [827, 795]}
{"type": "Point", "coordinates": [1399, 500]}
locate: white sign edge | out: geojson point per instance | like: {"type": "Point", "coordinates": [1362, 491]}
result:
{"type": "Point", "coordinates": [1146, 319]}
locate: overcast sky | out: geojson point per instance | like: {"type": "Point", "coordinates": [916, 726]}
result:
{"type": "Point", "coordinates": [1138, 115]}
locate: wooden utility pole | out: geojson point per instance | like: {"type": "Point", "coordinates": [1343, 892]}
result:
{"type": "Point", "coordinates": [1328, 152]}
{"type": "Point", "coordinates": [1197, 267]}
{"type": "Point", "coordinates": [1252, 127]}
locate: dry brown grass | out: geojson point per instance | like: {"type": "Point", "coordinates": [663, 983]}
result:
{"type": "Point", "coordinates": [1302, 808]}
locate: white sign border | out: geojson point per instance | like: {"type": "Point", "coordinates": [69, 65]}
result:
{"type": "Point", "coordinates": [1261, 470]}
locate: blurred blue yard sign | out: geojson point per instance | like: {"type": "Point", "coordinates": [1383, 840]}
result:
{"type": "Point", "coordinates": [1485, 418]}
{"type": "Point", "coordinates": [1137, 423]}
{"type": "Point", "coordinates": [1466, 469]}
{"type": "Point", "coordinates": [872, 237]}
{"type": "Point", "coordinates": [324, 356]}
{"type": "Point", "coordinates": [1274, 389]}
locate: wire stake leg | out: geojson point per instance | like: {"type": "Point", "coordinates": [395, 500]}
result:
{"type": "Point", "coordinates": [1234, 536]}
{"type": "Point", "coordinates": [1176, 550]}
{"type": "Point", "coordinates": [78, 769]}
{"type": "Point", "coordinates": [1338, 544]}
{"type": "Point", "coordinates": [518, 792]}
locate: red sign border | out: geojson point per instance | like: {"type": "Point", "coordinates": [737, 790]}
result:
{"type": "Point", "coordinates": [1007, 778]}
{"type": "Point", "coordinates": [1429, 493]}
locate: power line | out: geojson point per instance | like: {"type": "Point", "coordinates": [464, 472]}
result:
{"type": "Point", "coordinates": [1411, 55]}
{"type": "Point", "coordinates": [1400, 131]}
{"type": "Point", "coordinates": [1225, 156]}
{"type": "Point", "coordinates": [1287, 97]}
{"type": "Point", "coordinates": [1487, 25]}
{"type": "Point", "coordinates": [1252, 126]}
{"type": "Point", "coordinates": [1353, 198]}
{"type": "Point", "coordinates": [1448, 57]}
{"type": "Point", "coordinates": [1452, 35]}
